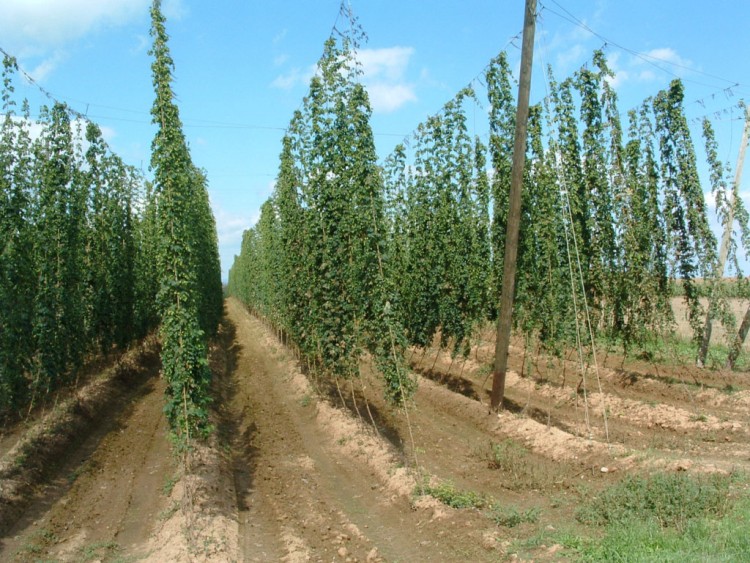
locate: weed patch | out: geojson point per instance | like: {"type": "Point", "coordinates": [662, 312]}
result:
{"type": "Point", "coordinates": [447, 493]}
{"type": "Point", "coordinates": [510, 516]}
{"type": "Point", "coordinates": [669, 500]}
{"type": "Point", "coordinates": [700, 539]}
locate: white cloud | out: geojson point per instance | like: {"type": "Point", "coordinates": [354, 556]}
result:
{"type": "Point", "coordinates": [643, 68]}
{"type": "Point", "coordinates": [620, 75]}
{"type": "Point", "coordinates": [571, 56]}
{"type": "Point", "coordinates": [667, 55]}
{"type": "Point", "coordinates": [230, 226]}
{"type": "Point", "coordinates": [294, 77]}
{"type": "Point", "coordinates": [646, 75]}
{"type": "Point", "coordinates": [280, 36]}
{"type": "Point", "coordinates": [52, 22]}
{"type": "Point", "coordinates": [143, 42]}
{"type": "Point", "coordinates": [108, 134]}
{"type": "Point", "coordinates": [386, 98]}
{"type": "Point", "coordinates": [77, 127]}
{"type": "Point", "coordinates": [174, 9]}
{"type": "Point", "coordinates": [41, 29]}
{"type": "Point", "coordinates": [384, 75]}
{"type": "Point", "coordinates": [279, 60]}
{"type": "Point", "coordinates": [388, 63]}
{"type": "Point", "coordinates": [43, 69]}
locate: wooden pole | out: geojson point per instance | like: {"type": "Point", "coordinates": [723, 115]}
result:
{"type": "Point", "coordinates": [745, 326]}
{"type": "Point", "coordinates": [514, 212]}
{"type": "Point", "coordinates": [726, 239]}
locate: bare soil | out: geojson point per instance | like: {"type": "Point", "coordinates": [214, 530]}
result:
{"type": "Point", "coordinates": [302, 469]}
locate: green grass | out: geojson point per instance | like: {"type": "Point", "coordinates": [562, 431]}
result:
{"type": "Point", "coordinates": [100, 551]}
{"type": "Point", "coordinates": [676, 349]}
{"type": "Point", "coordinates": [447, 493]}
{"type": "Point", "coordinates": [510, 516]}
{"type": "Point", "coordinates": [670, 499]}
{"type": "Point", "coordinates": [169, 482]}
{"type": "Point", "coordinates": [667, 517]}
{"type": "Point", "coordinates": [700, 539]}
{"type": "Point", "coordinates": [507, 516]}
{"type": "Point", "coordinates": [523, 469]}
{"type": "Point", "coordinates": [508, 456]}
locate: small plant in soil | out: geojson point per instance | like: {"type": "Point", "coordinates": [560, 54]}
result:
{"type": "Point", "coordinates": [447, 493]}
{"type": "Point", "coordinates": [99, 551]}
{"type": "Point", "coordinates": [166, 514]}
{"type": "Point", "coordinates": [510, 516]}
{"type": "Point", "coordinates": [508, 456]}
{"type": "Point", "coordinates": [36, 543]}
{"type": "Point", "coordinates": [169, 482]}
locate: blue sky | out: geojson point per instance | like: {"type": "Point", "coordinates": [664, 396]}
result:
{"type": "Point", "coordinates": [242, 68]}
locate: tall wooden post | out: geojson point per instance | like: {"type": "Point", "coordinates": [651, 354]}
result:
{"type": "Point", "coordinates": [514, 212]}
{"type": "Point", "coordinates": [739, 340]}
{"type": "Point", "coordinates": [726, 239]}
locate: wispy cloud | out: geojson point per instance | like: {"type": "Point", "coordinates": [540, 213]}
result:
{"type": "Point", "coordinates": [294, 77]}
{"type": "Point", "coordinates": [47, 66]}
{"type": "Point", "coordinates": [384, 75]}
{"type": "Point", "coordinates": [230, 226]}
{"type": "Point", "coordinates": [174, 9]}
{"type": "Point", "coordinates": [644, 67]}
{"type": "Point", "coordinates": [279, 37]}
{"type": "Point", "coordinates": [666, 55]}
{"type": "Point", "coordinates": [52, 23]}
{"type": "Point", "coordinates": [386, 98]}
{"type": "Point", "coordinates": [388, 63]}
{"type": "Point", "coordinates": [42, 29]}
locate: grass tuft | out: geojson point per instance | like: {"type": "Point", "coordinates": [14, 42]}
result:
{"type": "Point", "coordinates": [447, 493]}
{"type": "Point", "coordinates": [510, 516]}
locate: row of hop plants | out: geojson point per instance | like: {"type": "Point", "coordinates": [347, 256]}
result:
{"type": "Point", "coordinates": [75, 273]}
{"type": "Point", "coordinates": [94, 257]}
{"type": "Point", "coordinates": [611, 218]}
{"type": "Point", "coordinates": [316, 265]}
{"type": "Point", "coordinates": [189, 297]}
{"type": "Point", "coordinates": [347, 251]}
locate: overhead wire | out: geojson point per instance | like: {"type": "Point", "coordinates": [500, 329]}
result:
{"type": "Point", "coordinates": [649, 59]}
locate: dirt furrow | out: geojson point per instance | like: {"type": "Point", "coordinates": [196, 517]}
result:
{"type": "Point", "coordinates": [111, 500]}
{"type": "Point", "coordinates": [314, 483]}
{"type": "Point", "coordinates": [675, 422]}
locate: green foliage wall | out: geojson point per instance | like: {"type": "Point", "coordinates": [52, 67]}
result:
{"type": "Point", "coordinates": [71, 241]}
{"type": "Point", "coordinates": [316, 263]}
{"type": "Point", "coordinates": [611, 216]}
{"type": "Point", "coordinates": [189, 297]}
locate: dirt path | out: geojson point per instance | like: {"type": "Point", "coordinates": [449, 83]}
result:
{"type": "Point", "coordinates": [107, 497]}
{"type": "Point", "coordinates": [313, 482]}
{"type": "Point", "coordinates": [658, 419]}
